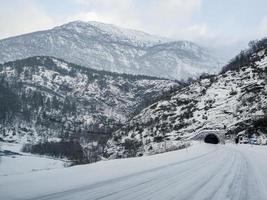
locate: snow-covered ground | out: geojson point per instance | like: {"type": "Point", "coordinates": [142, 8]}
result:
{"type": "Point", "coordinates": [17, 162]}
{"type": "Point", "coordinates": [200, 172]}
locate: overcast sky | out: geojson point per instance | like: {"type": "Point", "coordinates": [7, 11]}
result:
{"type": "Point", "coordinates": [222, 24]}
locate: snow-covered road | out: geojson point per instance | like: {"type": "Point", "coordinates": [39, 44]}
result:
{"type": "Point", "coordinates": [201, 172]}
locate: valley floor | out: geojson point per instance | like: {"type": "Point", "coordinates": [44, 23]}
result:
{"type": "Point", "coordinates": [202, 171]}
{"type": "Point", "coordinates": [15, 162]}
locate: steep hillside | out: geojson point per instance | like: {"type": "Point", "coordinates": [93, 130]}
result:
{"type": "Point", "coordinates": [107, 47]}
{"type": "Point", "coordinates": [42, 98]}
{"type": "Point", "coordinates": [233, 101]}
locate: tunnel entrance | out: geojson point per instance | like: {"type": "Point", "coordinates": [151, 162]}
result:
{"type": "Point", "coordinates": [212, 139]}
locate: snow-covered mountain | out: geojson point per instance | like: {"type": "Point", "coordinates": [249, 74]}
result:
{"type": "Point", "coordinates": [44, 98]}
{"type": "Point", "coordinates": [235, 101]}
{"type": "Point", "coordinates": [107, 47]}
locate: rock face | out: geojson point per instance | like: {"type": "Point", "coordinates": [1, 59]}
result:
{"type": "Point", "coordinates": [107, 47]}
{"type": "Point", "coordinates": [234, 101]}
{"type": "Point", "coordinates": [44, 98]}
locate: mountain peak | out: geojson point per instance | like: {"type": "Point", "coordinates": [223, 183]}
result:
{"type": "Point", "coordinates": [114, 32]}
{"type": "Point", "coordinates": [108, 47]}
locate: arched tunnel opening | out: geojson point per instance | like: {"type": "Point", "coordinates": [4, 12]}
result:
{"type": "Point", "coordinates": [212, 139]}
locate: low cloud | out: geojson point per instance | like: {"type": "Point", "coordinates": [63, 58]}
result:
{"type": "Point", "coordinates": [22, 16]}
{"type": "Point", "coordinates": [263, 27]}
{"type": "Point", "coordinates": [166, 18]}
{"type": "Point", "coordinates": [170, 18]}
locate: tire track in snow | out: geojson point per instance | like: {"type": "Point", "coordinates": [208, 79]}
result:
{"type": "Point", "coordinates": [226, 173]}
{"type": "Point", "coordinates": [110, 183]}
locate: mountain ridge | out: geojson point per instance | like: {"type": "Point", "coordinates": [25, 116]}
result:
{"type": "Point", "coordinates": [51, 98]}
{"type": "Point", "coordinates": [107, 47]}
{"type": "Point", "coordinates": [233, 102]}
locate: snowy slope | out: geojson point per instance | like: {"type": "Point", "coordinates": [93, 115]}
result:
{"type": "Point", "coordinates": [201, 172]}
{"type": "Point", "coordinates": [107, 47]}
{"type": "Point", "coordinates": [232, 101]}
{"type": "Point", "coordinates": [44, 97]}
{"type": "Point", "coordinates": [14, 162]}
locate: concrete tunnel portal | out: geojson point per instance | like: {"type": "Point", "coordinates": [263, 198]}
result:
{"type": "Point", "coordinates": [212, 138]}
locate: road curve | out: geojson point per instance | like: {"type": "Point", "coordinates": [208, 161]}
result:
{"type": "Point", "coordinates": [228, 172]}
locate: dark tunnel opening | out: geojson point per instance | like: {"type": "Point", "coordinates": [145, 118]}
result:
{"type": "Point", "coordinates": [212, 139]}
